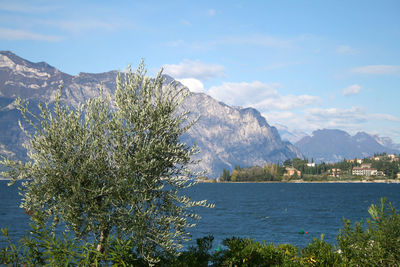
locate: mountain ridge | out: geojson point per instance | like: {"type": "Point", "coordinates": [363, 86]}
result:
{"type": "Point", "coordinates": [227, 136]}
{"type": "Point", "coordinates": [332, 145]}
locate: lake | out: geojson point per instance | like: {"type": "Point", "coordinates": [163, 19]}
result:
{"type": "Point", "coordinates": [274, 212]}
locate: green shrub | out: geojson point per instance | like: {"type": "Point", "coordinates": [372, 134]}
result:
{"type": "Point", "coordinates": [376, 245]}
{"type": "Point", "coordinates": [42, 247]}
{"type": "Point", "coordinates": [122, 253]}
{"type": "Point", "coordinates": [320, 253]}
{"type": "Point", "coordinates": [198, 256]}
{"type": "Point", "coordinates": [246, 252]}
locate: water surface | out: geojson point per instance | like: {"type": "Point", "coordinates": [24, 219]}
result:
{"type": "Point", "coordinates": [274, 212]}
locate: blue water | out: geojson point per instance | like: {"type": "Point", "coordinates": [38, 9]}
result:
{"type": "Point", "coordinates": [276, 212]}
{"type": "Point", "coordinates": [272, 212]}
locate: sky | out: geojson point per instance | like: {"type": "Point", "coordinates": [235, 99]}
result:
{"type": "Point", "coordinates": [305, 65]}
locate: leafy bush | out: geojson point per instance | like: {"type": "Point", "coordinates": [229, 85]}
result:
{"type": "Point", "coordinates": [320, 253]}
{"type": "Point", "coordinates": [247, 252]}
{"type": "Point", "coordinates": [378, 244]}
{"type": "Point", "coordinates": [42, 247]}
{"type": "Point", "coordinates": [195, 255]}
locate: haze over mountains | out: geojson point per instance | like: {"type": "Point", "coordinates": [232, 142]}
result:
{"type": "Point", "coordinates": [227, 136]}
{"type": "Point", "coordinates": [337, 145]}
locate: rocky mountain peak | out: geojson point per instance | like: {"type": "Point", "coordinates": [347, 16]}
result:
{"type": "Point", "coordinates": [11, 58]}
{"type": "Point", "coordinates": [227, 136]}
{"type": "Point", "coordinates": [18, 64]}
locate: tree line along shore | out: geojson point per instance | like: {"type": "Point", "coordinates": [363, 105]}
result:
{"type": "Point", "coordinates": [378, 168]}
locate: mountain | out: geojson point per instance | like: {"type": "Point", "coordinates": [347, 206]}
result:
{"type": "Point", "coordinates": [227, 136]}
{"type": "Point", "coordinates": [336, 145]}
{"type": "Point", "coordinates": [386, 142]}
{"type": "Point", "coordinates": [40, 81]}
{"type": "Point", "coordinates": [290, 135]}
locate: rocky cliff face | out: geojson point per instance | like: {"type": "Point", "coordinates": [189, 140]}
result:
{"type": "Point", "coordinates": [40, 81]}
{"type": "Point", "coordinates": [227, 136]}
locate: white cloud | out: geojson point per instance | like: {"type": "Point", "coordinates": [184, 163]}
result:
{"type": "Point", "coordinates": [244, 93]}
{"type": "Point", "coordinates": [294, 121]}
{"type": "Point", "coordinates": [282, 116]}
{"type": "Point", "coordinates": [386, 117]}
{"type": "Point", "coordinates": [11, 34]}
{"type": "Point", "coordinates": [194, 85]}
{"type": "Point", "coordinates": [259, 95]}
{"type": "Point", "coordinates": [394, 133]}
{"type": "Point", "coordinates": [351, 90]}
{"type": "Point", "coordinates": [336, 116]}
{"type": "Point", "coordinates": [286, 102]}
{"type": "Point", "coordinates": [211, 12]}
{"type": "Point", "coordinates": [352, 120]}
{"type": "Point", "coordinates": [194, 69]}
{"type": "Point", "coordinates": [377, 69]}
{"type": "Point", "coordinates": [346, 116]}
{"type": "Point", "coordinates": [345, 50]}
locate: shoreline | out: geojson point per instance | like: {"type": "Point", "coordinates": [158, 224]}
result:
{"type": "Point", "coordinates": [380, 181]}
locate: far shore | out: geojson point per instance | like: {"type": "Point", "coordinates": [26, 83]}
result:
{"type": "Point", "coordinates": [378, 181]}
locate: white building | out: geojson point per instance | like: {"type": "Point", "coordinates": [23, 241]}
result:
{"type": "Point", "coordinates": [362, 171]}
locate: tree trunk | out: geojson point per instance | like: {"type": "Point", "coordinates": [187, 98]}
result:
{"type": "Point", "coordinates": [103, 237]}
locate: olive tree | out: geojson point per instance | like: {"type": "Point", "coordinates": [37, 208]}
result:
{"type": "Point", "coordinates": [113, 166]}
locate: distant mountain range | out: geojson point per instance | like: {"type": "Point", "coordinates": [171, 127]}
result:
{"type": "Point", "coordinates": [386, 142]}
{"type": "Point", "coordinates": [227, 136]}
{"type": "Point", "coordinates": [336, 145]}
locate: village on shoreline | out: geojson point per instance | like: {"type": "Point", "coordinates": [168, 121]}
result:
{"type": "Point", "coordinates": [380, 168]}
{"type": "Point", "coordinates": [300, 181]}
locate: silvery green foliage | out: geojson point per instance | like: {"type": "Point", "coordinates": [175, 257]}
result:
{"type": "Point", "coordinates": [113, 166]}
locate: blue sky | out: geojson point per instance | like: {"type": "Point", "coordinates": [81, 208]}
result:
{"type": "Point", "coordinates": [304, 64]}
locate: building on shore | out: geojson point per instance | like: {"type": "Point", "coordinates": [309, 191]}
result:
{"type": "Point", "coordinates": [290, 171]}
{"type": "Point", "coordinates": [335, 172]}
{"type": "Point", "coordinates": [366, 165]}
{"type": "Point", "coordinates": [366, 171]}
